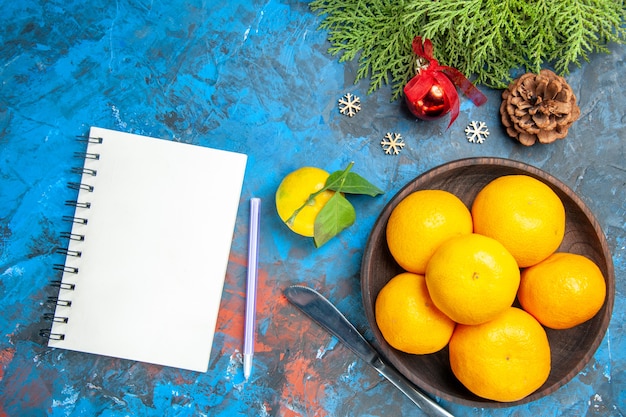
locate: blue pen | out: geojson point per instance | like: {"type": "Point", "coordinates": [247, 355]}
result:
{"type": "Point", "coordinates": [253, 261]}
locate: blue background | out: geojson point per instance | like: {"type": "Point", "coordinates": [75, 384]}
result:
{"type": "Point", "coordinates": [253, 77]}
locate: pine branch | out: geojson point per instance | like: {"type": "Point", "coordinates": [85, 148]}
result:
{"type": "Point", "coordinates": [484, 39]}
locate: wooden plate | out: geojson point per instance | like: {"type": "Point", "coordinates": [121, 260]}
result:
{"type": "Point", "coordinates": [571, 349]}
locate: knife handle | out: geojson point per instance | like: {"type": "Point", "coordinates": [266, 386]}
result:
{"type": "Point", "coordinates": [426, 404]}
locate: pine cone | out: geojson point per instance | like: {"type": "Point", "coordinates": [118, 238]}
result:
{"type": "Point", "coordinates": [538, 107]}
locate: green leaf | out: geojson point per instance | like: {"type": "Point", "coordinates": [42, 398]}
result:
{"type": "Point", "coordinates": [336, 180]}
{"type": "Point", "coordinates": [352, 184]}
{"type": "Point", "coordinates": [336, 215]}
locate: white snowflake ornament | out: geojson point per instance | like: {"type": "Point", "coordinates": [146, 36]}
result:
{"type": "Point", "coordinates": [349, 105]}
{"type": "Point", "coordinates": [476, 132]}
{"type": "Point", "coordinates": [392, 143]}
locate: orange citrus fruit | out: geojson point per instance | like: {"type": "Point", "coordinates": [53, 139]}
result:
{"type": "Point", "coordinates": [472, 278]}
{"type": "Point", "coordinates": [505, 359]}
{"type": "Point", "coordinates": [293, 193]}
{"type": "Point", "coordinates": [523, 214]}
{"type": "Point", "coordinates": [407, 317]}
{"type": "Point", "coordinates": [562, 291]}
{"type": "Point", "coordinates": [421, 222]}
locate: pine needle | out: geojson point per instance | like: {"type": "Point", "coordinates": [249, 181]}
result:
{"type": "Point", "coordinates": [487, 40]}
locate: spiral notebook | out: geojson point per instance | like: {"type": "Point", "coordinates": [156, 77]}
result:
{"type": "Point", "coordinates": [148, 249]}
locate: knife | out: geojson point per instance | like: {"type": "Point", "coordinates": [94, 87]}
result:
{"type": "Point", "coordinates": [324, 313]}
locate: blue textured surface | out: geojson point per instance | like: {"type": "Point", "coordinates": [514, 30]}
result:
{"type": "Point", "coordinates": [253, 77]}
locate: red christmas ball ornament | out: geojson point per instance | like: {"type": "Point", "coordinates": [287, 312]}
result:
{"type": "Point", "coordinates": [432, 93]}
{"type": "Point", "coordinates": [430, 97]}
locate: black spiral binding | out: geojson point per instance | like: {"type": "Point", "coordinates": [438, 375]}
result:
{"type": "Point", "coordinates": [72, 236]}
{"type": "Point", "coordinates": [53, 302]}
{"type": "Point", "coordinates": [87, 171]}
{"type": "Point", "coordinates": [80, 186]}
{"type": "Point", "coordinates": [65, 268]}
{"type": "Point", "coordinates": [56, 319]}
{"type": "Point", "coordinates": [74, 219]}
{"type": "Point", "coordinates": [67, 252]}
{"type": "Point", "coordinates": [77, 204]}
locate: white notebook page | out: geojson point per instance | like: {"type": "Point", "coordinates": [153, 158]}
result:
{"type": "Point", "coordinates": [153, 261]}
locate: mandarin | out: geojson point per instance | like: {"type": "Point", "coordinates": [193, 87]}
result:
{"type": "Point", "coordinates": [562, 291]}
{"type": "Point", "coordinates": [421, 222]}
{"type": "Point", "coordinates": [472, 278]}
{"type": "Point", "coordinates": [505, 359]}
{"type": "Point", "coordinates": [523, 214]}
{"type": "Point", "coordinates": [294, 193]}
{"type": "Point", "coordinates": [407, 317]}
